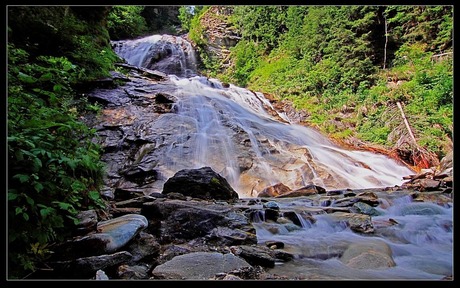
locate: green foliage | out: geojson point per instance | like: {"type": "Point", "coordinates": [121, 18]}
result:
{"type": "Point", "coordinates": [262, 24]}
{"type": "Point", "coordinates": [246, 56]}
{"type": "Point", "coordinates": [325, 57]}
{"type": "Point", "coordinates": [126, 22]}
{"type": "Point", "coordinates": [161, 19]}
{"type": "Point", "coordinates": [196, 30]}
{"type": "Point", "coordinates": [77, 33]}
{"type": "Point", "coordinates": [185, 16]}
{"type": "Point", "coordinates": [426, 91]}
{"type": "Point", "coordinates": [53, 166]}
{"type": "Point", "coordinates": [432, 25]}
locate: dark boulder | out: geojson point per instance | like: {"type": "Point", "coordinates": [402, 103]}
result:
{"type": "Point", "coordinates": [203, 183]}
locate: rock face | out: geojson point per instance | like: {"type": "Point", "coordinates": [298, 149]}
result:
{"type": "Point", "coordinates": [203, 183]}
{"type": "Point", "coordinates": [219, 35]}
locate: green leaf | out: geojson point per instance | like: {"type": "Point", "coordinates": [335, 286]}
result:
{"type": "Point", "coordinates": [12, 196]}
{"type": "Point", "coordinates": [12, 138]}
{"type": "Point", "coordinates": [30, 201]}
{"type": "Point", "coordinates": [64, 206]}
{"type": "Point", "coordinates": [25, 216]}
{"type": "Point", "coordinates": [18, 210]}
{"type": "Point", "coordinates": [22, 177]}
{"type": "Point", "coordinates": [94, 195]}
{"type": "Point", "coordinates": [26, 78]}
{"type": "Point", "coordinates": [37, 163]}
{"type": "Point", "coordinates": [57, 88]}
{"type": "Point", "coordinates": [75, 220]}
{"type": "Point", "coordinates": [38, 186]}
{"type": "Point", "coordinates": [46, 77]}
{"type": "Point", "coordinates": [37, 151]}
{"type": "Point", "coordinates": [46, 211]}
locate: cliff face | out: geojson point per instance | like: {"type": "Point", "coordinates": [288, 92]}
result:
{"type": "Point", "coordinates": [219, 34]}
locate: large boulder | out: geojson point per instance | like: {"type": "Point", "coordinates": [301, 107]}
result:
{"type": "Point", "coordinates": [203, 183]}
{"type": "Point", "coordinates": [371, 255]}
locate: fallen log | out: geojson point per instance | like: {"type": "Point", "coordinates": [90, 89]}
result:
{"type": "Point", "coordinates": [422, 158]}
{"type": "Point", "coordinates": [153, 74]}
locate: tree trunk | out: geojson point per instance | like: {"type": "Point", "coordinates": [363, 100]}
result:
{"type": "Point", "coordinates": [386, 42]}
{"type": "Point", "coordinates": [407, 123]}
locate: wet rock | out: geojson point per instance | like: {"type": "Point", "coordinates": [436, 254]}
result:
{"type": "Point", "coordinates": [100, 275]}
{"type": "Point", "coordinates": [357, 222]}
{"type": "Point", "coordinates": [119, 76]}
{"type": "Point", "coordinates": [117, 212]}
{"type": "Point", "coordinates": [271, 214]}
{"type": "Point", "coordinates": [275, 190]}
{"type": "Point", "coordinates": [87, 222]}
{"type": "Point", "coordinates": [197, 219]}
{"type": "Point", "coordinates": [304, 191]}
{"type": "Point", "coordinates": [274, 244]}
{"type": "Point", "coordinates": [223, 236]}
{"type": "Point", "coordinates": [86, 267]}
{"type": "Point", "coordinates": [111, 235]}
{"type": "Point", "coordinates": [201, 183]}
{"type": "Point", "coordinates": [255, 255]}
{"type": "Point", "coordinates": [369, 198]}
{"type": "Point", "coordinates": [198, 266]}
{"type": "Point", "coordinates": [363, 208]}
{"type": "Point", "coordinates": [132, 272]}
{"type": "Point", "coordinates": [144, 247]}
{"type": "Point", "coordinates": [119, 231]}
{"type": "Point", "coordinates": [368, 255]}
{"type": "Point", "coordinates": [140, 175]}
{"type": "Point", "coordinates": [108, 97]}
{"type": "Point", "coordinates": [271, 205]}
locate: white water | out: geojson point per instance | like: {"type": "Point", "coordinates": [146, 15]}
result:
{"type": "Point", "coordinates": [230, 130]}
{"type": "Point", "coordinates": [177, 53]}
{"type": "Point", "coordinates": [292, 154]}
{"type": "Point", "coordinates": [421, 244]}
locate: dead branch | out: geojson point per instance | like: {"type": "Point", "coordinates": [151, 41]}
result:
{"type": "Point", "coordinates": [407, 123]}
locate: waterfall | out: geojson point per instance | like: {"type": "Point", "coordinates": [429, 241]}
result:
{"type": "Point", "coordinates": [169, 54]}
{"type": "Point", "coordinates": [240, 135]}
{"type": "Point", "coordinates": [233, 130]}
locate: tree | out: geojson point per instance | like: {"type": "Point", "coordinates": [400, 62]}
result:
{"type": "Point", "coordinates": [125, 22]}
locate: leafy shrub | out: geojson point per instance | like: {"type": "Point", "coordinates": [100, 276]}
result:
{"type": "Point", "coordinates": [54, 169]}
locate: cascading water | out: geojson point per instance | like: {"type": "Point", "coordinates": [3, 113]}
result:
{"type": "Point", "coordinates": [233, 130]}
{"type": "Point", "coordinates": [420, 243]}
{"type": "Point", "coordinates": [165, 53]}
{"type": "Point", "coordinates": [230, 130]}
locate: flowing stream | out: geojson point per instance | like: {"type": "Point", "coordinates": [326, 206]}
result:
{"type": "Point", "coordinates": [420, 245]}
{"type": "Point", "coordinates": [240, 135]}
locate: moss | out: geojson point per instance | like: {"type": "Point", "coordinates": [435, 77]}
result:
{"type": "Point", "coordinates": [215, 181]}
